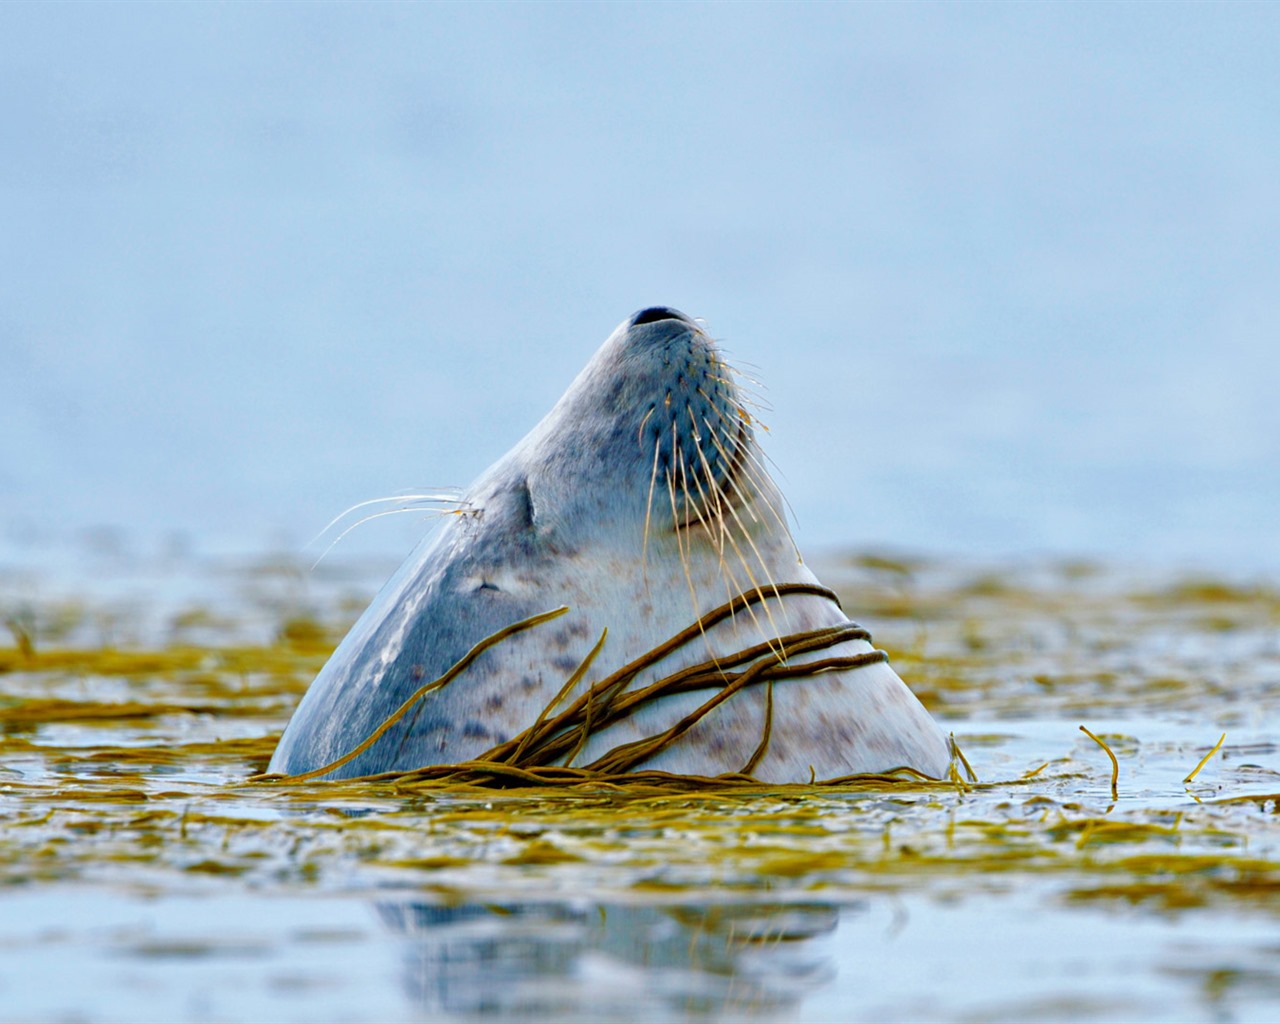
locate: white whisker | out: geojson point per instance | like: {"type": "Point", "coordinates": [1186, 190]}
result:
{"type": "Point", "coordinates": [760, 476]}
{"type": "Point", "coordinates": [404, 499]}
{"type": "Point", "coordinates": [762, 483]}
{"type": "Point", "coordinates": [377, 515]}
{"type": "Point", "coordinates": [648, 512]}
{"type": "Point", "coordinates": [746, 533]}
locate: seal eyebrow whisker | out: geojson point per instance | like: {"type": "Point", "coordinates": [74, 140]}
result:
{"type": "Point", "coordinates": [377, 515]}
{"type": "Point", "coordinates": [406, 500]}
{"type": "Point", "coordinates": [451, 498]}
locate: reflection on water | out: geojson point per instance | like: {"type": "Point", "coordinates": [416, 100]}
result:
{"type": "Point", "coordinates": [144, 879]}
{"type": "Point", "coordinates": [592, 960]}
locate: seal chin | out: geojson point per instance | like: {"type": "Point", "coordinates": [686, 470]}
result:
{"type": "Point", "coordinates": [640, 503]}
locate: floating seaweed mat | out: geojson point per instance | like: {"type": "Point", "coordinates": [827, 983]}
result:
{"type": "Point", "coordinates": [282, 658]}
{"type": "Point", "coordinates": [530, 758]}
{"type": "Point", "coordinates": [29, 711]}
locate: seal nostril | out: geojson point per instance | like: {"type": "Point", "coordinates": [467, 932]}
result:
{"type": "Point", "coordinates": [653, 314]}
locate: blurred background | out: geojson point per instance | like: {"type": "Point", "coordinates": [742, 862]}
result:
{"type": "Point", "coordinates": [1009, 273]}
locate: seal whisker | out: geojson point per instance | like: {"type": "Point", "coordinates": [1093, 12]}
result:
{"type": "Point", "coordinates": [554, 523]}
{"type": "Point", "coordinates": [743, 528]}
{"type": "Point", "coordinates": [740, 368]}
{"type": "Point", "coordinates": [731, 581]}
{"type": "Point", "coordinates": [640, 429]}
{"type": "Point", "coordinates": [759, 588]}
{"type": "Point", "coordinates": [762, 483]}
{"type": "Point", "coordinates": [698, 505]}
{"type": "Point", "coordinates": [738, 462]}
{"type": "Point", "coordinates": [746, 534]}
{"type": "Point", "coordinates": [746, 383]}
{"type": "Point", "coordinates": [719, 537]}
{"type": "Point", "coordinates": [764, 487]}
{"type": "Point", "coordinates": [746, 394]}
{"type": "Point", "coordinates": [648, 512]}
{"type": "Point", "coordinates": [741, 446]}
{"type": "Point", "coordinates": [711, 502]}
{"type": "Point", "coordinates": [760, 474]}
{"type": "Point", "coordinates": [372, 516]}
{"type": "Point", "coordinates": [690, 504]}
{"type": "Point", "coordinates": [684, 540]}
{"type": "Point", "coordinates": [722, 534]}
{"type": "Point", "coordinates": [675, 514]}
{"type": "Point", "coordinates": [715, 490]}
{"type": "Point", "coordinates": [450, 498]}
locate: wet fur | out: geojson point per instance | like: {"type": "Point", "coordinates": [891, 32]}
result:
{"type": "Point", "coordinates": [641, 501]}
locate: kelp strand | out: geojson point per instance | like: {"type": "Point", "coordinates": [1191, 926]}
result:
{"type": "Point", "coordinates": [530, 758]}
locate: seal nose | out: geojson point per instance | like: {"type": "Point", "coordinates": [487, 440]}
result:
{"type": "Point", "coordinates": [653, 314]}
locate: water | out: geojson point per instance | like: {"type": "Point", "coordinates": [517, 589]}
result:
{"type": "Point", "coordinates": [271, 957]}
{"type": "Point", "coordinates": [1009, 276]}
{"type": "Point", "coordinates": [144, 879]}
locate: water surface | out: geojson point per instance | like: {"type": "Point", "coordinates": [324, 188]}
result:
{"type": "Point", "coordinates": [143, 878]}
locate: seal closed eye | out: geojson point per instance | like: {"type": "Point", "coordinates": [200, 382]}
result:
{"type": "Point", "coordinates": [641, 503]}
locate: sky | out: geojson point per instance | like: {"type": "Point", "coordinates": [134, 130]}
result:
{"type": "Point", "coordinates": [1008, 273]}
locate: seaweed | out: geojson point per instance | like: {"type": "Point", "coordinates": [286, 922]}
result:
{"type": "Point", "coordinates": [544, 752]}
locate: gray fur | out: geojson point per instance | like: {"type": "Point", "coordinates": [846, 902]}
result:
{"type": "Point", "coordinates": [640, 501]}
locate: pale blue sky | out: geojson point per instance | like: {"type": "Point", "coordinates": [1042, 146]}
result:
{"type": "Point", "coordinates": [1010, 273]}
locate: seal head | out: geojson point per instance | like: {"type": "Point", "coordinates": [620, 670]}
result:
{"type": "Point", "coordinates": [640, 502]}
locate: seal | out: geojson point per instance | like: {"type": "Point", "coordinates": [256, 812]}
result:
{"type": "Point", "coordinates": [641, 502]}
